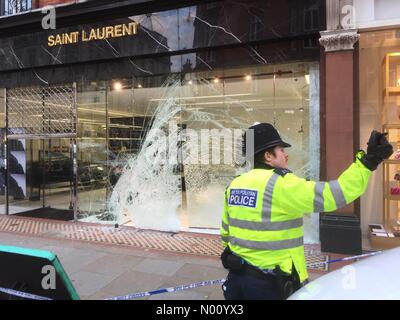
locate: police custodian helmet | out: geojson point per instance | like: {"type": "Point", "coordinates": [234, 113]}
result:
{"type": "Point", "coordinates": [265, 137]}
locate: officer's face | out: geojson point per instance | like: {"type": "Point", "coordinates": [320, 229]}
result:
{"type": "Point", "coordinates": [279, 160]}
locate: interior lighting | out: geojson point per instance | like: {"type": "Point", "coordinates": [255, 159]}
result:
{"type": "Point", "coordinates": [117, 86]}
{"type": "Point", "coordinates": [207, 97]}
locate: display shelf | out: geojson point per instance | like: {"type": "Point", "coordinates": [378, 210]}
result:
{"type": "Point", "coordinates": [384, 242]}
{"type": "Point", "coordinates": [126, 133]}
{"type": "Point", "coordinates": [17, 168]}
{"type": "Point", "coordinates": [391, 161]}
{"type": "Point", "coordinates": [391, 74]}
{"type": "Point", "coordinates": [391, 209]}
{"type": "Point", "coordinates": [126, 139]}
{"type": "Point", "coordinates": [392, 91]}
{"type": "Point", "coordinates": [124, 126]}
{"type": "Point", "coordinates": [391, 126]}
{"type": "Point", "coordinates": [392, 197]}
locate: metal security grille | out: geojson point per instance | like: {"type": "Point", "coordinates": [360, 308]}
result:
{"type": "Point", "coordinates": [16, 6]}
{"type": "Point", "coordinates": [41, 112]}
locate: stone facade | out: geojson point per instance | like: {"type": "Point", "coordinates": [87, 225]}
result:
{"type": "Point", "coordinates": [338, 40]}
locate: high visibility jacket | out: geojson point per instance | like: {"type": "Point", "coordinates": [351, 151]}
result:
{"type": "Point", "coordinates": [262, 221]}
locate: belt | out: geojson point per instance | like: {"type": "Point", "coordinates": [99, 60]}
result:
{"type": "Point", "coordinates": [255, 272]}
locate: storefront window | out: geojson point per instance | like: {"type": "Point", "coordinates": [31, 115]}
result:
{"type": "Point", "coordinates": [2, 153]}
{"type": "Point", "coordinates": [177, 183]}
{"type": "Point", "coordinates": [92, 148]}
{"type": "Point", "coordinates": [220, 102]}
{"type": "Point", "coordinates": [159, 132]}
{"type": "Point", "coordinates": [380, 110]}
{"type": "Point", "coordinates": [39, 163]}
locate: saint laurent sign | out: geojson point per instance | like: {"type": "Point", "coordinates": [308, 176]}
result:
{"type": "Point", "coordinates": [102, 33]}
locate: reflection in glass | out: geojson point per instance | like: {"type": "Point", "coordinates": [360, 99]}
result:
{"type": "Point", "coordinates": [380, 110]}
{"type": "Point", "coordinates": [177, 145]}
{"type": "Point", "coordinates": [39, 179]}
{"type": "Point", "coordinates": [92, 150]}
{"type": "Point", "coordinates": [235, 99]}
{"type": "Point", "coordinates": [2, 152]}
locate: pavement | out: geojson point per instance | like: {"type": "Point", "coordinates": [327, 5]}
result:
{"type": "Point", "coordinates": [100, 271]}
{"type": "Point", "coordinates": [102, 263]}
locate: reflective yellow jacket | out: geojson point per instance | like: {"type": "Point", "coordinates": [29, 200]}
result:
{"type": "Point", "coordinates": [262, 221]}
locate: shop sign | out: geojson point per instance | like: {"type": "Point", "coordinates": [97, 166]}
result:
{"type": "Point", "coordinates": [102, 33]}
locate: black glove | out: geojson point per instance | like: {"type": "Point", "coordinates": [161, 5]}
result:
{"type": "Point", "coordinates": [378, 150]}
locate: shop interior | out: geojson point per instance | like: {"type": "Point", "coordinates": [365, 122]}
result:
{"type": "Point", "coordinates": [114, 118]}
{"type": "Point", "coordinates": [380, 110]}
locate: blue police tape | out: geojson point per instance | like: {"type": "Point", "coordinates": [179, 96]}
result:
{"type": "Point", "coordinates": [345, 259]}
{"type": "Point", "coordinates": [178, 288]}
{"type": "Point", "coordinates": [221, 281]}
{"type": "Point", "coordinates": [169, 290]}
{"type": "Point", "coordinates": [126, 297]}
{"type": "Point", "coordinates": [23, 294]}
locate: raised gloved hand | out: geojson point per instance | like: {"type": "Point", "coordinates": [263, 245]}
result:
{"type": "Point", "coordinates": [378, 150]}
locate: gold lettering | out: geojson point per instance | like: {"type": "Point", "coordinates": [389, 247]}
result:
{"type": "Point", "coordinates": [109, 32]}
{"type": "Point", "coordinates": [92, 35]}
{"type": "Point", "coordinates": [118, 30]}
{"type": "Point", "coordinates": [67, 38]}
{"type": "Point", "coordinates": [134, 27]}
{"type": "Point", "coordinates": [100, 34]}
{"type": "Point", "coordinates": [58, 40]}
{"type": "Point", "coordinates": [75, 36]}
{"type": "Point", "coordinates": [127, 29]}
{"type": "Point", "coordinates": [130, 28]}
{"type": "Point", "coordinates": [84, 37]}
{"type": "Point", "coordinates": [50, 41]}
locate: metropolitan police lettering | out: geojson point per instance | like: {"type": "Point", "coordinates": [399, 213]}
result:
{"type": "Point", "coordinates": [243, 198]}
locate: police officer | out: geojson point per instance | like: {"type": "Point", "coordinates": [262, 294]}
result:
{"type": "Point", "coordinates": [262, 221]}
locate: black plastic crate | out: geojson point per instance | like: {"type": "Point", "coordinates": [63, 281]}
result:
{"type": "Point", "coordinates": [340, 233]}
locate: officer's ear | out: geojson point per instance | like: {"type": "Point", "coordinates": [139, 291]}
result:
{"type": "Point", "coordinates": [268, 157]}
{"type": "Point", "coordinates": [269, 154]}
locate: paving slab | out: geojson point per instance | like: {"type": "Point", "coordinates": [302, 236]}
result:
{"type": "Point", "coordinates": [160, 267]}
{"type": "Point", "coordinates": [88, 283]}
{"type": "Point", "coordinates": [101, 270]}
{"type": "Point", "coordinates": [113, 264]}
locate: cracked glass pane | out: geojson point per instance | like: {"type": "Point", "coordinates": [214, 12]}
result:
{"type": "Point", "coordinates": [92, 152]}
{"type": "Point", "coordinates": [158, 137]}
{"type": "Point", "coordinates": [172, 145]}
{"type": "Point", "coordinates": [2, 151]}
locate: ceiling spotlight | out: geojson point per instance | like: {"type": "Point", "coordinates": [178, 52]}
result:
{"type": "Point", "coordinates": [117, 86]}
{"type": "Point", "coordinates": [216, 80]}
{"type": "Point", "coordinates": [247, 77]}
{"type": "Point", "coordinates": [139, 86]}
{"type": "Point", "coordinates": [190, 82]}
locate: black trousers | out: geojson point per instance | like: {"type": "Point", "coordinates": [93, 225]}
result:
{"type": "Point", "coordinates": [248, 287]}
